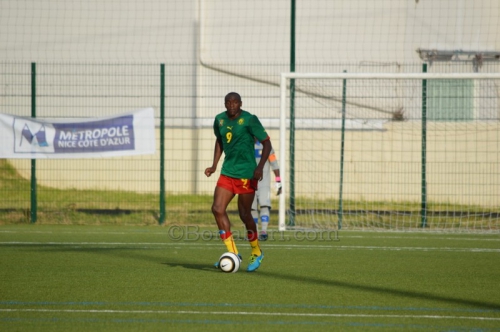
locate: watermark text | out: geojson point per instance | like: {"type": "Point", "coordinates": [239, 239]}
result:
{"type": "Point", "coordinates": [195, 233]}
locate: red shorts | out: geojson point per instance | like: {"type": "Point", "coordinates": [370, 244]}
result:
{"type": "Point", "coordinates": [237, 186]}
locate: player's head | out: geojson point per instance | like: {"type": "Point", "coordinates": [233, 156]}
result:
{"type": "Point", "coordinates": [233, 95]}
{"type": "Point", "coordinates": [232, 101]}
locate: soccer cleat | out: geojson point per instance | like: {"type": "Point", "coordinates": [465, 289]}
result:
{"type": "Point", "coordinates": [255, 262]}
{"type": "Point", "coordinates": [216, 265]}
{"type": "Point", "coordinates": [263, 236]}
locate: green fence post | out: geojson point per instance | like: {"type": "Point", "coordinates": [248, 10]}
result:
{"type": "Point", "coordinates": [33, 208]}
{"type": "Point", "coordinates": [162, 144]}
{"type": "Point", "coordinates": [291, 221]}
{"type": "Point", "coordinates": [423, 212]}
{"type": "Point", "coordinates": [341, 189]}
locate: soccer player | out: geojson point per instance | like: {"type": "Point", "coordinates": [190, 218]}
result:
{"type": "Point", "coordinates": [235, 131]}
{"type": "Point", "coordinates": [262, 198]}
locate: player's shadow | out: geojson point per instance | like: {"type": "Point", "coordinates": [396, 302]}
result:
{"type": "Point", "coordinates": [130, 252]}
{"type": "Point", "coordinates": [264, 272]}
{"type": "Point", "coordinates": [379, 290]}
{"type": "Point", "coordinates": [199, 267]}
{"type": "Point", "coordinates": [268, 273]}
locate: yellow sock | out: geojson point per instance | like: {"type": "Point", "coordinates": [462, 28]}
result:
{"type": "Point", "coordinates": [255, 247]}
{"type": "Point", "coordinates": [231, 246]}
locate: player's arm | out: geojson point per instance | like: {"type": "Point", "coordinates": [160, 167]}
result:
{"type": "Point", "coordinates": [266, 150]}
{"type": "Point", "coordinates": [273, 161]}
{"type": "Point", "coordinates": [217, 154]}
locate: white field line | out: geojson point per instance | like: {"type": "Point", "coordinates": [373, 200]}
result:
{"type": "Point", "coordinates": [288, 234]}
{"type": "Point", "coordinates": [83, 232]}
{"type": "Point", "coordinates": [268, 246]}
{"type": "Point", "coordinates": [242, 313]}
{"type": "Point", "coordinates": [458, 238]}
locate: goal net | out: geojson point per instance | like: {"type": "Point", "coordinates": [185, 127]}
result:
{"type": "Point", "coordinates": [390, 151]}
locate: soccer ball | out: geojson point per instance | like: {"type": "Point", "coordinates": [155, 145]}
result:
{"type": "Point", "coordinates": [229, 262]}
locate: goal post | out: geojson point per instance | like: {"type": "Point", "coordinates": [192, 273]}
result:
{"type": "Point", "coordinates": [370, 148]}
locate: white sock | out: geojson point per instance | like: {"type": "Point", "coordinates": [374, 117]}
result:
{"type": "Point", "coordinates": [255, 217]}
{"type": "Point", "coordinates": [264, 218]}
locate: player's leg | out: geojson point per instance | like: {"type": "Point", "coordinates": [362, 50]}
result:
{"type": "Point", "coordinates": [265, 209]}
{"type": "Point", "coordinates": [264, 222]}
{"type": "Point", "coordinates": [222, 198]}
{"type": "Point", "coordinates": [245, 211]}
{"type": "Point", "coordinates": [255, 212]}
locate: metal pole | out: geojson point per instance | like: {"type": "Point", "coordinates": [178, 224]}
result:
{"type": "Point", "coordinates": [162, 144]}
{"type": "Point", "coordinates": [283, 171]}
{"type": "Point", "coordinates": [33, 209]}
{"type": "Point", "coordinates": [341, 189]}
{"type": "Point", "coordinates": [423, 212]}
{"type": "Point", "coordinates": [291, 222]}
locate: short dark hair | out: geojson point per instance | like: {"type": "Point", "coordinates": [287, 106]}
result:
{"type": "Point", "coordinates": [233, 94]}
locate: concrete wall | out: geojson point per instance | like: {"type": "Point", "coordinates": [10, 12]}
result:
{"type": "Point", "coordinates": [462, 165]}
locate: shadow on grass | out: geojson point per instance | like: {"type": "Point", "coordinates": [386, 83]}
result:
{"type": "Point", "coordinates": [199, 267]}
{"type": "Point", "coordinates": [353, 286]}
{"type": "Point", "coordinates": [380, 290]}
{"type": "Point", "coordinates": [139, 254]}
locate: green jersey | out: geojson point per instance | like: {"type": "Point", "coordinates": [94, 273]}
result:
{"type": "Point", "coordinates": [237, 138]}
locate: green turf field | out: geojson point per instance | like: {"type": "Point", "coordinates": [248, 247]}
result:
{"type": "Point", "coordinates": [126, 278]}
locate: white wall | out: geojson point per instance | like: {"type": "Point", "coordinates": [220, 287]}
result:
{"type": "Point", "coordinates": [238, 31]}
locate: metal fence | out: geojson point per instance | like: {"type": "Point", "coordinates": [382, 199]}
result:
{"type": "Point", "coordinates": [170, 185]}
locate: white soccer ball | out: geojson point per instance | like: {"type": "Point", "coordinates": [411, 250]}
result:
{"type": "Point", "coordinates": [229, 262]}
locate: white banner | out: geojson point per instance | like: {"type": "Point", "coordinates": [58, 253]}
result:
{"type": "Point", "coordinates": [57, 138]}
